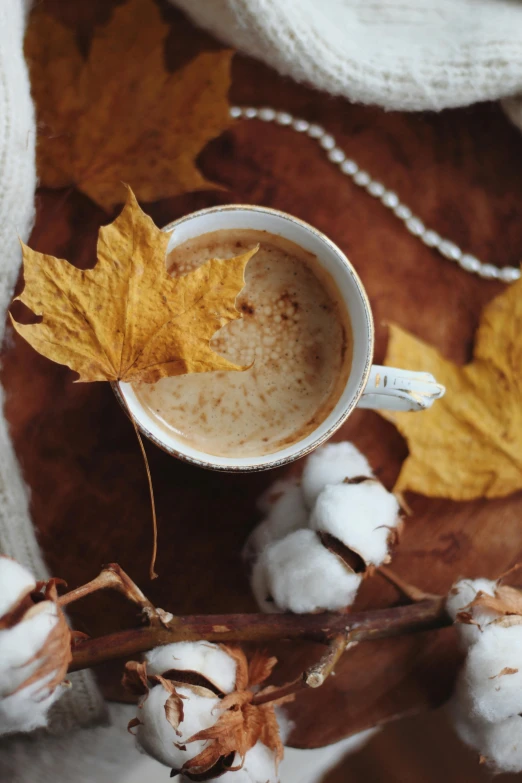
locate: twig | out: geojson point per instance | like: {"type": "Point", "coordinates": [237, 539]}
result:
{"type": "Point", "coordinates": [415, 594]}
{"type": "Point", "coordinates": [326, 627]}
{"type": "Point", "coordinates": [313, 677]}
{"type": "Point", "coordinates": [112, 577]}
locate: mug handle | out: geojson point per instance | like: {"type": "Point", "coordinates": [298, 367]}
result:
{"type": "Point", "coordinates": [400, 390]}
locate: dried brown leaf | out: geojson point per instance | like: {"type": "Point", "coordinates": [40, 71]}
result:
{"type": "Point", "coordinates": [241, 665]}
{"type": "Point", "coordinates": [241, 723]}
{"type": "Point", "coordinates": [174, 711]}
{"type": "Point", "coordinates": [505, 671]}
{"type": "Point", "coordinates": [507, 600]}
{"type": "Point", "coordinates": [132, 725]}
{"type": "Point", "coordinates": [226, 736]}
{"type": "Point", "coordinates": [260, 668]}
{"type": "Point", "coordinates": [55, 654]}
{"type": "Point", "coordinates": [135, 678]}
{"type": "Point", "coordinates": [119, 115]}
{"type": "Point", "coordinates": [270, 732]}
{"type": "Point", "coordinates": [469, 444]}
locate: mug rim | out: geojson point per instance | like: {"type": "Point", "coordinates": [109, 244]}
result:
{"type": "Point", "coordinates": [272, 460]}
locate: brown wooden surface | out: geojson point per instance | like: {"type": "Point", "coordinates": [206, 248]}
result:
{"type": "Point", "coordinates": [424, 749]}
{"type": "Point", "coordinates": [461, 172]}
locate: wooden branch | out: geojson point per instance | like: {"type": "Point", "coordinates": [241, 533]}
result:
{"type": "Point", "coordinates": [411, 592]}
{"type": "Point", "coordinates": [313, 677]}
{"type": "Point", "coordinates": [357, 627]}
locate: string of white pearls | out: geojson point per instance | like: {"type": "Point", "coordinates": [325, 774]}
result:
{"type": "Point", "coordinates": [414, 224]}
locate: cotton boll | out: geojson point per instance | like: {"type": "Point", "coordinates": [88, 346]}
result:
{"type": "Point", "coordinates": [502, 745]}
{"type": "Point", "coordinates": [460, 597]}
{"type": "Point", "coordinates": [303, 576]}
{"type": "Point", "coordinates": [499, 744]}
{"type": "Point", "coordinates": [286, 511]}
{"type": "Point", "coordinates": [331, 464]}
{"type": "Point", "coordinates": [26, 709]}
{"type": "Point", "coordinates": [15, 582]}
{"type": "Point", "coordinates": [259, 582]}
{"type": "Point", "coordinates": [358, 515]}
{"type": "Point", "coordinates": [35, 649]}
{"type": "Point", "coordinates": [203, 657]}
{"type": "Point", "coordinates": [493, 673]}
{"type": "Point", "coordinates": [468, 726]}
{"type": "Point", "coordinates": [20, 645]}
{"type": "Point", "coordinates": [259, 767]}
{"type": "Point", "coordinates": [157, 737]}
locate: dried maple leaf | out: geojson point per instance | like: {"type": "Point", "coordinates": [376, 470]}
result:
{"type": "Point", "coordinates": [469, 444]}
{"type": "Point", "coordinates": [119, 115]}
{"type": "Point", "coordinates": [127, 318]}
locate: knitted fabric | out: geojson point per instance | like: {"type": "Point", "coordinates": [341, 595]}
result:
{"type": "Point", "coordinates": [412, 55]}
{"type": "Point", "coordinates": [83, 704]}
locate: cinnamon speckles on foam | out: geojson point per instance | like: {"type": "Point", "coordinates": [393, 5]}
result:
{"type": "Point", "coordinates": [294, 332]}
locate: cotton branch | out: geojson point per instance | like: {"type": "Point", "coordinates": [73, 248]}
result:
{"type": "Point", "coordinates": [338, 631]}
{"type": "Point", "coordinates": [324, 627]}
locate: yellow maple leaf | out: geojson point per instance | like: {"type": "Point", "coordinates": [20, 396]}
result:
{"type": "Point", "coordinates": [469, 445]}
{"type": "Point", "coordinates": [119, 115]}
{"type": "Point", "coordinates": [127, 319]}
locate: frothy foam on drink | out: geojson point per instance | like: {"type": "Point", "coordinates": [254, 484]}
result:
{"type": "Point", "coordinates": [295, 333]}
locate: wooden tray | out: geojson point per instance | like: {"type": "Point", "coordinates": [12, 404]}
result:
{"type": "Point", "coordinates": [460, 172]}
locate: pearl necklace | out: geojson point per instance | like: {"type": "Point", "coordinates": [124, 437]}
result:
{"type": "Point", "coordinates": [413, 224]}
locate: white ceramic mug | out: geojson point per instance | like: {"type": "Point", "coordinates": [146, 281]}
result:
{"type": "Point", "coordinates": [367, 386]}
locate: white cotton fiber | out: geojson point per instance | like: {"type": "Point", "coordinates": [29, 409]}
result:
{"type": "Point", "coordinates": [157, 737]}
{"type": "Point", "coordinates": [460, 597]}
{"type": "Point", "coordinates": [303, 576]}
{"type": "Point", "coordinates": [20, 644]}
{"type": "Point", "coordinates": [261, 588]}
{"type": "Point", "coordinates": [493, 673]}
{"type": "Point", "coordinates": [360, 516]}
{"type": "Point", "coordinates": [15, 582]}
{"type": "Point", "coordinates": [259, 767]}
{"type": "Point", "coordinates": [468, 727]}
{"type": "Point", "coordinates": [285, 511]}
{"type": "Point", "coordinates": [204, 657]}
{"type": "Point", "coordinates": [501, 745]}
{"type": "Point", "coordinates": [26, 709]}
{"type": "Point", "coordinates": [331, 464]}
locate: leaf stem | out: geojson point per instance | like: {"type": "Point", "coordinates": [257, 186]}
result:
{"type": "Point", "coordinates": [410, 591]}
{"type": "Point", "coordinates": [112, 577]}
{"type": "Point", "coordinates": [152, 573]}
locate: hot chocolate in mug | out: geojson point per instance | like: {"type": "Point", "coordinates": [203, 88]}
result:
{"type": "Point", "coordinates": [366, 385]}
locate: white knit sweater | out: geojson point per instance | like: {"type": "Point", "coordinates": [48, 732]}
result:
{"type": "Point", "coordinates": [408, 55]}
{"type": "Point", "coordinates": [82, 704]}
